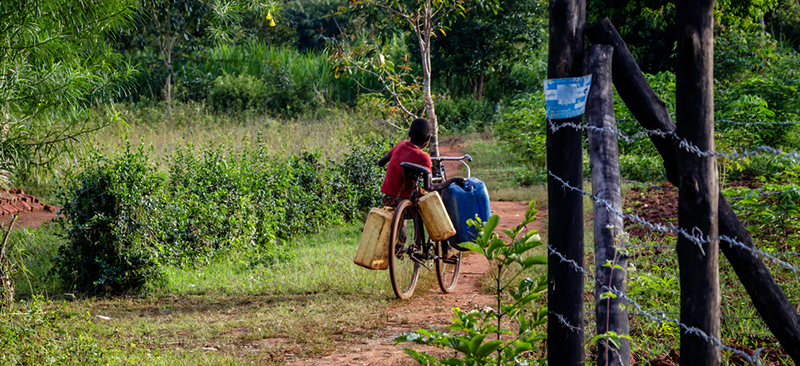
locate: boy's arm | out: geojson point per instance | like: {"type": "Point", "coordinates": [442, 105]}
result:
{"type": "Point", "coordinates": [443, 185]}
{"type": "Point", "coordinates": [385, 159]}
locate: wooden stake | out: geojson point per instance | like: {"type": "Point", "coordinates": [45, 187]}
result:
{"type": "Point", "coordinates": [565, 221]}
{"type": "Point", "coordinates": [651, 112]}
{"type": "Point", "coordinates": [611, 262]}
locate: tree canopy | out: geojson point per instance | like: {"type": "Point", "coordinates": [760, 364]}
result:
{"type": "Point", "coordinates": [55, 65]}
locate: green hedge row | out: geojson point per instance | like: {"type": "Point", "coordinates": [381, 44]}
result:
{"type": "Point", "coordinates": [125, 218]}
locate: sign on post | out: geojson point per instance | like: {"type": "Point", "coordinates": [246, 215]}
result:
{"type": "Point", "coordinates": [566, 97]}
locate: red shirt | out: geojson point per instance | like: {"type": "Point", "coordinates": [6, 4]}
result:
{"type": "Point", "coordinates": [404, 151]}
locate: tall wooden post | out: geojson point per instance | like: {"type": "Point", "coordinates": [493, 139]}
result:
{"type": "Point", "coordinates": [698, 189]}
{"type": "Point", "coordinates": [651, 112]}
{"type": "Point", "coordinates": [611, 262]}
{"type": "Point", "coordinates": [565, 221]}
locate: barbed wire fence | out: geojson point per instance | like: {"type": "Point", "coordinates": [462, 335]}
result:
{"type": "Point", "coordinates": [696, 237]}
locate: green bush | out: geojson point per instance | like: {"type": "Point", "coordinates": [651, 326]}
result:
{"type": "Point", "coordinates": [523, 126]}
{"type": "Point", "coordinates": [106, 207]}
{"type": "Point", "coordinates": [124, 219]}
{"type": "Point", "coordinates": [642, 168]}
{"type": "Point", "coordinates": [238, 94]}
{"type": "Point", "coordinates": [464, 114]}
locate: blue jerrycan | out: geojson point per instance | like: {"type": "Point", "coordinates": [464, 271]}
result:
{"type": "Point", "coordinates": [462, 204]}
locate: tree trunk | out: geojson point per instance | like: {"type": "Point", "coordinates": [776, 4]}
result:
{"type": "Point", "coordinates": [609, 244]}
{"type": "Point", "coordinates": [698, 187]}
{"type": "Point", "coordinates": [651, 112]}
{"type": "Point", "coordinates": [167, 52]}
{"type": "Point", "coordinates": [479, 88]}
{"type": "Point", "coordinates": [425, 50]}
{"type": "Point", "coordinates": [565, 224]}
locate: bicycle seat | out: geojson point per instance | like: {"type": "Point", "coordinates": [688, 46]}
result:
{"type": "Point", "coordinates": [411, 170]}
{"type": "Point", "coordinates": [414, 171]}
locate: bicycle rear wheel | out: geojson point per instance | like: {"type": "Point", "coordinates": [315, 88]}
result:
{"type": "Point", "coordinates": [403, 270]}
{"type": "Point", "coordinates": [447, 270]}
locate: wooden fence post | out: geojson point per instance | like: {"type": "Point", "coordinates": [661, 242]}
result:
{"type": "Point", "coordinates": [698, 256]}
{"type": "Point", "coordinates": [651, 112]}
{"type": "Point", "coordinates": [565, 219]}
{"type": "Point", "coordinates": [611, 262]}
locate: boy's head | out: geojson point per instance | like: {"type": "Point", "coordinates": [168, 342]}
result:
{"type": "Point", "coordinates": [420, 132]}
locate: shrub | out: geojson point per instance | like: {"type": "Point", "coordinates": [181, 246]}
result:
{"type": "Point", "coordinates": [111, 244]}
{"type": "Point", "coordinates": [642, 168]}
{"type": "Point", "coordinates": [125, 220]}
{"type": "Point", "coordinates": [238, 94]}
{"type": "Point", "coordinates": [523, 127]}
{"type": "Point", "coordinates": [464, 114]}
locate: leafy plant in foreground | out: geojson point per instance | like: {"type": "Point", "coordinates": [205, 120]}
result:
{"type": "Point", "coordinates": [471, 329]}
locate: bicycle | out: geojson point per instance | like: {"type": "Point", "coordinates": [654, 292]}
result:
{"type": "Point", "coordinates": [410, 247]}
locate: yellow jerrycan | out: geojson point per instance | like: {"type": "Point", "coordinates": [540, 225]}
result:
{"type": "Point", "coordinates": [434, 215]}
{"type": "Point", "coordinates": [373, 249]}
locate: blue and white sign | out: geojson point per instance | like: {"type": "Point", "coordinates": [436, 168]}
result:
{"type": "Point", "coordinates": [566, 98]}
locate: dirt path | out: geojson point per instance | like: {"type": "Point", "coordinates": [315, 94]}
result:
{"type": "Point", "coordinates": [428, 307]}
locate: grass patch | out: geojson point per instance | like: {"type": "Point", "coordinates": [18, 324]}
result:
{"type": "Point", "coordinates": [310, 264]}
{"type": "Point", "coordinates": [498, 167]}
{"type": "Point", "coordinates": [240, 310]}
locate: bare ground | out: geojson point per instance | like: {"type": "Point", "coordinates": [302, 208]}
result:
{"type": "Point", "coordinates": [427, 308]}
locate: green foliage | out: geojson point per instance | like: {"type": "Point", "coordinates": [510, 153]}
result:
{"type": "Point", "coordinates": [237, 94]}
{"type": "Point", "coordinates": [465, 114]}
{"type": "Point", "coordinates": [770, 212]}
{"type": "Point", "coordinates": [642, 168]}
{"type": "Point", "coordinates": [648, 26]}
{"type": "Point", "coordinates": [483, 46]}
{"type": "Point", "coordinates": [523, 126]}
{"type": "Point", "coordinates": [291, 81]}
{"type": "Point", "coordinates": [125, 219]}
{"type": "Point", "coordinates": [107, 208]}
{"type": "Point", "coordinates": [784, 22]}
{"type": "Point", "coordinates": [38, 337]}
{"type": "Point", "coordinates": [315, 21]}
{"type": "Point", "coordinates": [470, 330]}
{"type": "Point", "coordinates": [55, 66]}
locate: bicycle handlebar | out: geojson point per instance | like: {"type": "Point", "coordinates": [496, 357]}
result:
{"type": "Point", "coordinates": [465, 157]}
{"type": "Point", "coordinates": [460, 159]}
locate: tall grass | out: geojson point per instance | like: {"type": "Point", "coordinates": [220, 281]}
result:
{"type": "Point", "coordinates": [257, 59]}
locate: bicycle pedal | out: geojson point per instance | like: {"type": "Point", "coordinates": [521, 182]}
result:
{"type": "Point", "coordinates": [451, 260]}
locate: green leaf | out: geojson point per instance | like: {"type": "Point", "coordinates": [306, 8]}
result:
{"type": "Point", "coordinates": [475, 343]}
{"type": "Point", "coordinates": [451, 361]}
{"type": "Point", "coordinates": [607, 294]}
{"type": "Point", "coordinates": [473, 247]}
{"type": "Point", "coordinates": [488, 347]}
{"type": "Point", "coordinates": [488, 228]}
{"type": "Point", "coordinates": [458, 344]}
{"type": "Point", "coordinates": [534, 260]}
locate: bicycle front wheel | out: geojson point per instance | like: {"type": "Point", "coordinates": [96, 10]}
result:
{"type": "Point", "coordinates": [403, 270]}
{"type": "Point", "coordinates": [447, 270]}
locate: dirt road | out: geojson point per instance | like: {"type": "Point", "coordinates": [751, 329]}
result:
{"type": "Point", "coordinates": [429, 307]}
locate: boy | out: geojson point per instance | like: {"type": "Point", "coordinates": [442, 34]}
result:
{"type": "Point", "coordinates": [395, 187]}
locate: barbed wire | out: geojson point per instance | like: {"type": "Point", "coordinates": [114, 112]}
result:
{"type": "Point", "coordinates": [563, 320]}
{"type": "Point", "coordinates": [681, 143]}
{"type": "Point", "coordinates": [763, 194]}
{"type": "Point", "coordinates": [686, 328]}
{"type": "Point", "coordinates": [756, 123]}
{"type": "Point", "coordinates": [676, 313]}
{"type": "Point", "coordinates": [649, 185]}
{"type": "Point", "coordinates": [695, 236]}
